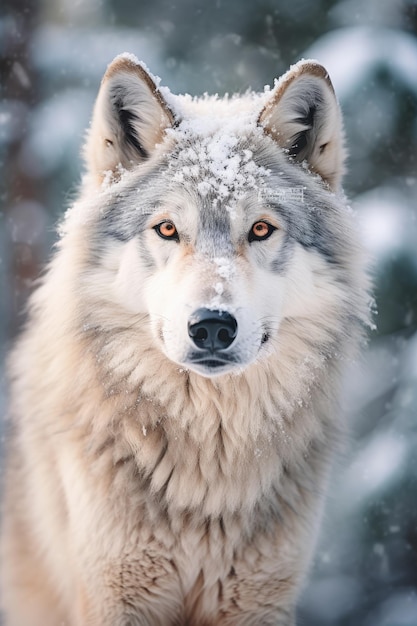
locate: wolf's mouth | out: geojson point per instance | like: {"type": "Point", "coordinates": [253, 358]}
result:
{"type": "Point", "coordinates": [210, 361]}
{"type": "Point", "coordinates": [211, 364]}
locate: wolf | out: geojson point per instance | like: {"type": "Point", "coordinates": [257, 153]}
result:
{"type": "Point", "coordinates": [174, 393]}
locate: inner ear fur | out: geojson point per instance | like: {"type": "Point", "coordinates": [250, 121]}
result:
{"type": "Point", "coordinates": [129, 119]}
{"type": "Point", "coordinates": [304, 118]}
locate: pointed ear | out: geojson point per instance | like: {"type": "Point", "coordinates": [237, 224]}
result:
{"type": "Point", "coordinates": [129, 119]}
{"type": "Point", "coordinates": [304, 118]}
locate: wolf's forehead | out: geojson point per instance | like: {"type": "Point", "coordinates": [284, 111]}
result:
{"type": "Point", "coordinates": [219, 165]}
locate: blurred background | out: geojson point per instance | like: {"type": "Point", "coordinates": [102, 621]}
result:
{"type": "Point", "coordinates": [52, 56]}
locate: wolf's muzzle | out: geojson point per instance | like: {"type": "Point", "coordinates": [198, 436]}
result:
{"type": "Point", "coordinates": [212, 331]}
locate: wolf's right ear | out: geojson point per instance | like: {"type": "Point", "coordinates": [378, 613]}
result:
{"type": "Point", "coordinates": [129, 119]}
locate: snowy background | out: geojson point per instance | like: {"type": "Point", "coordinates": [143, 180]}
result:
{"type": "Point", "coordinates": [52, 56]}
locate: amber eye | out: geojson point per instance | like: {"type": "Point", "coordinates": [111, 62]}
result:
{"type": "Point", "coordinates": [260, 230]}
{"type": "Point", "coordinates": [167, 230]}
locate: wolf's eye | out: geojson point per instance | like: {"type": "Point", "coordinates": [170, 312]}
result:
{"type": "Point", "coordinates": [167, 230]}
{"type": "Point", "coordinates": [260, 230]}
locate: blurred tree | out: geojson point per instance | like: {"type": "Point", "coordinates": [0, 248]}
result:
{"type": "Point", "coordinates": [21, 195]}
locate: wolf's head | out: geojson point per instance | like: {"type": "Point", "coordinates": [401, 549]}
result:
{"type": "Point", "coordinates": [218, 220]}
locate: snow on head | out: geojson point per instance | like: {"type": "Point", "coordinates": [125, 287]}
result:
{"type": "Point", "coordinates": [213, 155]}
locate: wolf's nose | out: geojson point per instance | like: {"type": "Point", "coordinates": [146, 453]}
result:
{"type": "Point", "coordinates": [212, 330]}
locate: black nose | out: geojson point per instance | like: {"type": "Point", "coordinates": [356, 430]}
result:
{"type": "Point", "coordinates": [212, 330]}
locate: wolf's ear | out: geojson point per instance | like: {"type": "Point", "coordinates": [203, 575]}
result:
{"type": "Point", "coordinates": [129, 119]}
{"type": "Point", "coordinates": [303, 117]}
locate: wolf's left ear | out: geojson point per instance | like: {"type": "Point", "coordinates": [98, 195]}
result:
{"type": "Point", "coordinates": [129, 119]}
{"type": "Point", "coordinates": [303, 117]}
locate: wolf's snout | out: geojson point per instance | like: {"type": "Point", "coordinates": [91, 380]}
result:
{"type": "Point", "coordinates": [212, 330]}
